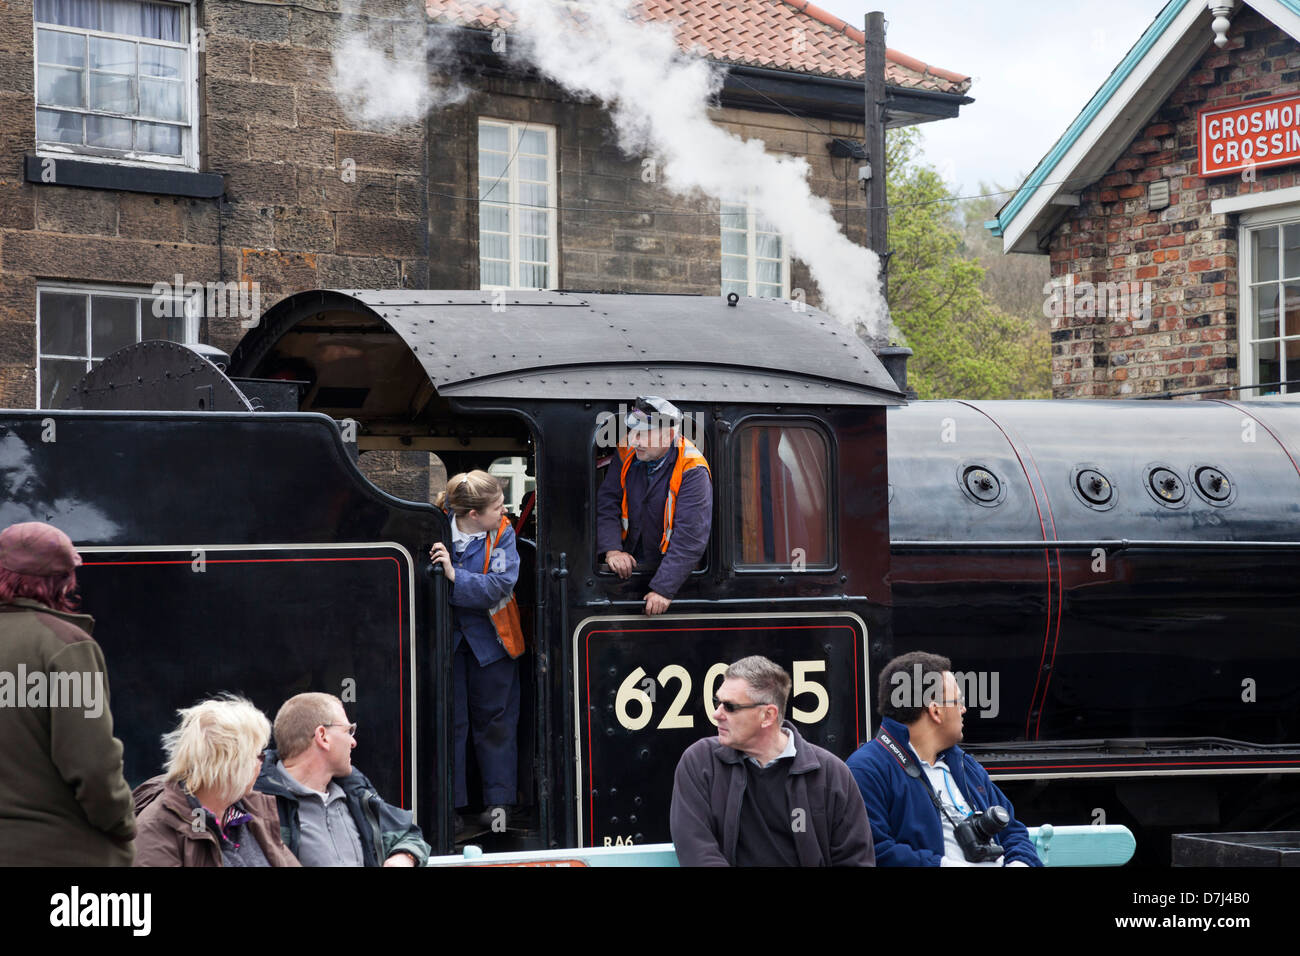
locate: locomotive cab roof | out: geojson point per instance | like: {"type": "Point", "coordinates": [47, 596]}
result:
{"type": "Point", "coordinates": [390, 358]}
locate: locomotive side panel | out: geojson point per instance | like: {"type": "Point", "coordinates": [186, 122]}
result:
{"type": "Point", "coordinates": [644, 693]}
{"type": "Point", "coordinates": [244, 553]}
{"type": "Point", "coordinates": [266, 623]}
{"type": "Point", "coordinates": [1163, 610]}
{"type": "Point", "coordinates": [956, 479]}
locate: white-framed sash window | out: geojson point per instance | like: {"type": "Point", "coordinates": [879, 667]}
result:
{"type": "Point", "coordinates": [755, 261]}
{"type": "Point", "coordinates": [517, 216]}
{"type": "Point", "coordinates": [116, 80]}
{"type": "Point", "coordinates": [78, 325]}
{"type": "Point", "coordinates": [1268, 263]}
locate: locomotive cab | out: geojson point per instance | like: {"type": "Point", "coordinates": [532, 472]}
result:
{"type": "Point", "coordinates": [530, 383]}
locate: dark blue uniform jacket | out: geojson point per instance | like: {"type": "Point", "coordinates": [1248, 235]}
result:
{"type": "Point", "coordinates": [692, 519]}
{"type": "Point", "coordinates": [474, 593]}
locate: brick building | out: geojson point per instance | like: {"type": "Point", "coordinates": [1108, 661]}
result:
{"type": "Point", "coordinates": [1170, 209]}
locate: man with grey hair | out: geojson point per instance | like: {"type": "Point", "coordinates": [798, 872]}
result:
{"type": "Point", "coordinates": [330, 814]}
{"type": "Point", "coordinates": [758, 794]}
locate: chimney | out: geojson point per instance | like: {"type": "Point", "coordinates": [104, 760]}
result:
{"type": "Point", "coordinates": [894, 358]}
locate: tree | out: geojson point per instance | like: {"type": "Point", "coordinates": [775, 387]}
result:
{"type": "Point", "coordinates": [966, 345]}
{"type": "Point", "coordinates": [1014, 282]}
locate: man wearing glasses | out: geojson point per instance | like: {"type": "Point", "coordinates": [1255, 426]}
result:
{"type": "Point", "coordinates": [758, 794]}
{"type": "Point", "coordinates": [330, 814]}
{"type": "Point", "coordinates": [930, 803]}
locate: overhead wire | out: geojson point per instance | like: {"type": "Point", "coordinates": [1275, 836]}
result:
{"type": "Point", "coordinates": [675, 212]}
{"type": "Point", "coordinates": [1084, 180]}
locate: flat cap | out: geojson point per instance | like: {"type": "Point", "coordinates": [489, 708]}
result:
{"type": "Point", "coordinates": [651, 411]}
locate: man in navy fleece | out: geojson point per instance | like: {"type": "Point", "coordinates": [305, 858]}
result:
{"type": "Point", "coordinates": [918, 785]}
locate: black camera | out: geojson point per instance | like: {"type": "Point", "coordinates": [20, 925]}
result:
{"type": "Point", "coordinates": [975, 834]}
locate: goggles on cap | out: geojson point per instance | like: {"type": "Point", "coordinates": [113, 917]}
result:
{"type": "Point", "coordinates": [652, 410]}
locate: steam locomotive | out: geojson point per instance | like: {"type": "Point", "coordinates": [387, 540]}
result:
{"type": "Point", "coordinates": [1115, 579]}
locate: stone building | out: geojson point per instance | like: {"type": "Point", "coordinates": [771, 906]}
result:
{"type": "Point", "coordinates": [145, 141]}
{"type": "Point", "coordinates": [1170, 209]}
{"type": "Point", "coordinates": [794, 80]}
{"type": "Point", "coordinates": [170, 168]}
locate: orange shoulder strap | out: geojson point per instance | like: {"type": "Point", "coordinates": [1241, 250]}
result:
{"type": "Point", "coordinates": [628, 457]}
{"type": "Point", "coordinates": [491, 542]}
{"type": "Point", "coordinates": [688, 457]}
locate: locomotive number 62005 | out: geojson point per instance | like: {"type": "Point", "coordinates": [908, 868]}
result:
{"type": "Point", "coordinates": [638, 692]}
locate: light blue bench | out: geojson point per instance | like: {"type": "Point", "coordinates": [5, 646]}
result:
{"type": "Point", "coordinates": [1083, 845]}
{"type": "Point", "coordinates": [1057, 846]}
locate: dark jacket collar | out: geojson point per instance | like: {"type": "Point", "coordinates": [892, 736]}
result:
{"type": "Point", "coordinates": [662, 465]}
{"type": "Point", "coordinates": [805, 759]}
{"type": "Point", "coordinates": [271, 779]}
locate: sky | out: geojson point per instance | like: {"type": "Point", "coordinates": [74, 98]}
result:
{"type": "Point", "coordinates": [1033, 66]}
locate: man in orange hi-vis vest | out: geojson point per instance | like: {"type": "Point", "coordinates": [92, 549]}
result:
{"type": "Point", "coordinates": [655, 507]}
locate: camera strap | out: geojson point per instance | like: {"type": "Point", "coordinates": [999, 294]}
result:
{"type": "Point", "coordinates": [912, 770]}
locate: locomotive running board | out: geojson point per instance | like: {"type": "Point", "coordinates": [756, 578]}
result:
{"type": "Point", "coordinates": [1168, 756]}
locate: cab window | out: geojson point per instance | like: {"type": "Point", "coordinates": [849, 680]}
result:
{"type": "Point", "coordinates": [783, 508]}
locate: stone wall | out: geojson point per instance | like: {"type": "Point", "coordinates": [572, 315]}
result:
{"type": "Point", "coordinates": [413, 475]}
{"type": "Point", "coordinates": [617, 231]}
{"type": "Point", "coordinates": [311, 201]}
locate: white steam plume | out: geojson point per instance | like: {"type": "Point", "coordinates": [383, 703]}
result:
{"type": "Point", "coordinates": [658, 99]}
{"type": "Point", "coordinates": [382, 68]}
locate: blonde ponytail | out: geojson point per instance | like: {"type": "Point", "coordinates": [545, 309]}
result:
{"type": "Point", "coordinates": [470, 491]}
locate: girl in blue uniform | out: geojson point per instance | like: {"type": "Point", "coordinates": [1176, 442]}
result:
{"type": "Point", "coordinates": [485, 679]}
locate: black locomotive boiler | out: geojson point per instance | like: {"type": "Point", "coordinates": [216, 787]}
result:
{"type": "Point", "coordinates": [1122, 575]}
{"type": "Point", "coordinates": [1114, 576]}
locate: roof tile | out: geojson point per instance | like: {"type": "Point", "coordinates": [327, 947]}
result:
{"type": "Point", "coordinates": [791, 35]}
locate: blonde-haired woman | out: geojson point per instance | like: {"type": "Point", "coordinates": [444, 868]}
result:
{"type": "Point", "coordinates": [484, 676]}
{"type": "Point", "coordinates": [203, 811]}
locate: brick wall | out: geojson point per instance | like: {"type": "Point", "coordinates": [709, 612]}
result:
{"type": "Point", "coordinates": [607, 242]}
{"type": "Point", "coordinates": [1188, 254]}
{"type": "Point", "coordinates": [270, 124]}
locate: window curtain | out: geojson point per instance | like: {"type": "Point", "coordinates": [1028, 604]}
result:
{"type": "Point", "coordinates": [802, 452]}
{"type": "Point", "coordinates": [783, 495]}
{"type": "Point", "coordinates": [69, 13]}
{"type": "Point", "coordinates": [157, 21]}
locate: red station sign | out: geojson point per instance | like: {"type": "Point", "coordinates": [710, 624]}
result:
{"type": "Point", "coordinates": [1255, 135]}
